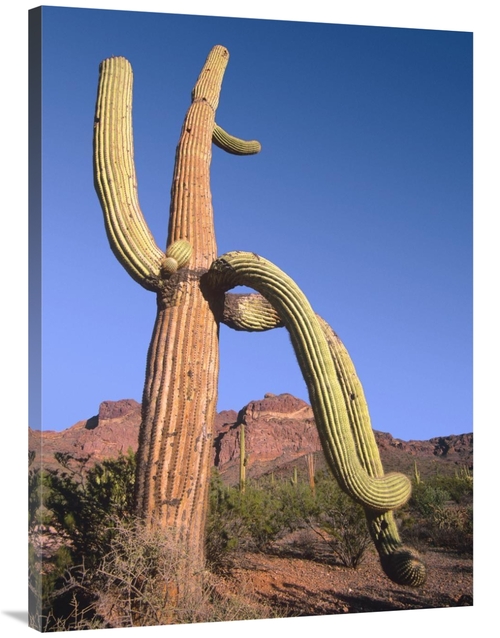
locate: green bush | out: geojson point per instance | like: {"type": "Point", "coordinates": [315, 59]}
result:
{"type": "Point", "coordinates": [268, 509]}
{"type": "Point", "coordinates": [340, 522]}
{"type": "Point", "coordinates": [85, 512]}
{"type": "Point", "coordinates": [255, 518]}
{"type": "Point", "coordinates": [439, 513]}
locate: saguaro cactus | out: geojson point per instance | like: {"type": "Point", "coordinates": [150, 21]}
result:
{"type": "Point", "coordinates": [243, 459]}
{"type": "Point", "coordinates": [191, 286]}
{"type": "Point", "coordinates": [180, 391]}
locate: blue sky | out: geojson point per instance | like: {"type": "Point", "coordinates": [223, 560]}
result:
{"type": "Point", "coordinates": [362, 193]}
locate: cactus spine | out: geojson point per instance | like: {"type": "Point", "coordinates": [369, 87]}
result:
{"type": "Point", "coordinates": [180, 390]}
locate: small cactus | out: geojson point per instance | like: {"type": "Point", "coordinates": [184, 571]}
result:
{"type": "Point", "coordinates": [416, 474]}
{"type": "Point", "coordinates": [310, 461]}
{"type": "Point", "coordinates": [243, 459]}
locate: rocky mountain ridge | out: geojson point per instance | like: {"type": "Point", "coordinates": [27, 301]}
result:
{"type": "Point", "coordinates": [279, 431]}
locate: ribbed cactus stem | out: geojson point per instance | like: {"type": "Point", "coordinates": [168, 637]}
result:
{"type": "Point", "coordinates": [180, 390]}
{"type": "Point", "coordinates": [234, 145]}
{"type": "Point", "coordinates": [115, 178]}
{"type": "Point", "coordinates": [250, 312]}
{"type": "Point", "coordinates": [377, 493]}
{"type": "Point", "coordinates": [243, 459]}
{"type": "Point", "coordinates": [177, 256]}
{"type": "Point", "coordinates": [401, 564]}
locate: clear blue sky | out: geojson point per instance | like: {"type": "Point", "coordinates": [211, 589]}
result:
{"type": "Point", "coordinates": [362, 193]}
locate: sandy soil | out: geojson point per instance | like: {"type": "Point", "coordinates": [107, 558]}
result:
{"type": "Point", "coordinates": [296, 586]}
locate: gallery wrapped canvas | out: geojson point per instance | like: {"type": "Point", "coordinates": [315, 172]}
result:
{"type": "Point", "coordinates": [152, 500]}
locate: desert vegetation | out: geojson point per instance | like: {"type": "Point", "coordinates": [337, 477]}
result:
{"type": "Point", "coordinates": [94, 564]}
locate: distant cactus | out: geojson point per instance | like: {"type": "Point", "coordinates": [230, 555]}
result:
{"type": "Point", "coordinates": [243, 459]}
{"type": "Point", "coordinates": [416, 474]}
{"type": "Point", "coordinates": [310, 461]}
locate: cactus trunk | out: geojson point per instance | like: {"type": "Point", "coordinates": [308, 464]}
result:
{"type": "Point", "coordinates": [180, 392]}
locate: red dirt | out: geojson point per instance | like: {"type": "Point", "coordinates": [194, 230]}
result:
{"type": "Point", "coordinates": [295, 586]}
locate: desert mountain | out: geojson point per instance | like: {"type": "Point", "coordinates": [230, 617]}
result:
{"type": "Point", "coordinates": [279, 433]}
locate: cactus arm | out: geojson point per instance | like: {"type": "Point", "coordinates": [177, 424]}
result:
{"type": "Point", "coordinates": [232, 144]}
{"type": "Point", "coordinates": [115, 177]}
{"type": "Point", "coordinates": [377, 493]}
{"type": "Point", "coordinates": [249, 312]}
{"type": "Point", "coordinates": [401, 564]}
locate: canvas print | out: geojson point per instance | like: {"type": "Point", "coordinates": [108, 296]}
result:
{"type": "Point", "coordinates": [250, 319]}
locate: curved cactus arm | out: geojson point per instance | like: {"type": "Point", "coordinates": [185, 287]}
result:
{"type": "Point", "coordinates": [234, 145]}
{"type": "Point", "coordinates": [401, 564]}
{"type": "Point", "coordinates": [114, 175]}
{"type": "Point", "coordinates": [379, 494]}
{"type": "Point", "coordinates": [250, 312]}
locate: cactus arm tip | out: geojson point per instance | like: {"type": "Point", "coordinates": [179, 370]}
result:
{"type": "Point", "coordinates": [234, 145]}
{"type": "Point", "coordinates": [404, 566]}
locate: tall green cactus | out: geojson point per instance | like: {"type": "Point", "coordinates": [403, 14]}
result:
{"type": "Point", "coordinates": [180, 390]}
{"type": "Point", "coordinates": [191, 287]}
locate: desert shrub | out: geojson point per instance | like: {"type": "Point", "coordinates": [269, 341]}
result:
{"type": "Point", "coordinates": [146, 579]}
{"type": "Point", "coordinates": [439, 513]}
{"type": "Point", "coordinates": [452, 528]}
{"type": "Point", "coordinates": [426, 497]}
{"type": "Point", "coordinates": [254, 518]}
{"type": "Point", "coordinates": [340, 522]}
{"type": "Point", "coordinates": [459, 486]}
{"type": "Point", "coordinates": [267, 510]}
{"type": "Point", "coordinates": [86, 512]}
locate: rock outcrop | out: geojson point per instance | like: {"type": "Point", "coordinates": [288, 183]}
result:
{"type": "Point", "coordinates": [279, 430]}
